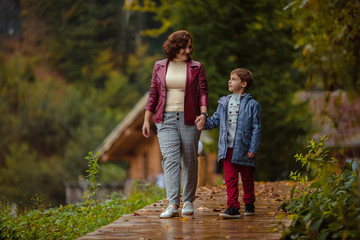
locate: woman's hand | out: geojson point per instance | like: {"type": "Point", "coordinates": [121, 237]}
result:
{"type": "Point", "coordinates": [200, 122]}
{"type": "Point", "coordinates": [146, 129]}
{"type": "Point", "coordinates": [146, 125]}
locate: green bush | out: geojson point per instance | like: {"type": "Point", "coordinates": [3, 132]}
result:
{"type": "Point", "coordinates": [326, 207]}
{"type": "Point", "coordinates": [73, 221]}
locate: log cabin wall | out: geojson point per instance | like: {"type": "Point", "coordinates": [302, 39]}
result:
{"type": "Point", "coordinates": [146, 164]}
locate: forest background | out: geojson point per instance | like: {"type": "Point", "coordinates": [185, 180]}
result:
{"type": "Point", "coordinates": [71, 70]}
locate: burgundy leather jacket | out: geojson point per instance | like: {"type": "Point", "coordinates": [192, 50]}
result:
{"type": "Point", "coordinates": [195, 91]}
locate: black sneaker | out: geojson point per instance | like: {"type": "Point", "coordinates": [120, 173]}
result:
{"type": "Point", "coordinates": [231, 212]}
{"type": "Point", "coordinates": [249, 209]}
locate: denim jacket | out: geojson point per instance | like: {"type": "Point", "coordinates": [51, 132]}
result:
{"type": "Point", "coordinates": [248, 129]}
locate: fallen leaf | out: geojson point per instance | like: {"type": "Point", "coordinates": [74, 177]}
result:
{"type": "Point", "coordinates": [250, 227]}
{"type": "Point", "coordinates": [167, 226]}
{"type": "Point", "coordinates": [203, 209]}
{"type": "Point", "coordinates": [184, 219]}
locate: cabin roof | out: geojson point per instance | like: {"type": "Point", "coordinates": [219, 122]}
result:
{"type": "Point", "coordinates": [124, 138]}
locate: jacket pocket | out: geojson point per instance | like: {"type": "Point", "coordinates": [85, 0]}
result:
{"type": "Point", "coordinates": [246, 137]}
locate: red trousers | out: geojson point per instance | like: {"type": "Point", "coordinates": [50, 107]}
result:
{"type": "Point", "coordinates": [232, 178]}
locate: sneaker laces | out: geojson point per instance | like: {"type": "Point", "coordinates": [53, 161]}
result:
{"type": "Point", "coordinates": [170, 208]}
{"type": "Point", "coordinates": [186, 204]}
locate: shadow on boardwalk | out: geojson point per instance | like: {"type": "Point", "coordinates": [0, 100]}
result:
{"type": "Point", "coordinates": [206, 223]}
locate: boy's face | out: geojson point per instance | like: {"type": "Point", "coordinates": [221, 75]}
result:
{"type": "Point", "coordinates": [236, 85]}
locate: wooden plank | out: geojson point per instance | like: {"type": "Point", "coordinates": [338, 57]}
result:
{"type": "Point", "coordinates": [206, 223]}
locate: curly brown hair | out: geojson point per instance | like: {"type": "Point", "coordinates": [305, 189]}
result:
{"type": "Point", "coordinates": [244, 75]}
{"type": "Point", "coordinates": [176, 41]}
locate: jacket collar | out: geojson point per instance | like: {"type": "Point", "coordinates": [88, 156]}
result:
{"type": "Point", "coordinates": [165, 62]}
{"type": "Point", "coordinates": [224, 100]}
{"type": "Point", "coordinates": [191, 71]}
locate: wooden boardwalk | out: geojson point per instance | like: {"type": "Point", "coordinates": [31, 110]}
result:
{"type": "Point", "coordinates": [206, 223]}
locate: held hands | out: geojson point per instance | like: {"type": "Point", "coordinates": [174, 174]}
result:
{"type": "Point", "coordinates": [200, 122]}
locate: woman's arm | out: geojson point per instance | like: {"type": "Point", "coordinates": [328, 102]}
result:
{"type": "Point", "coordinates": [203, 99]}
{"type": "Point", "coordinates": [203, 90]}
{"type": "Point", "coordinates": [146, 125]}
{"type": "Point", "coordinates": [151, 104]}
{"type": "Point", "coordinates": [153, 98]}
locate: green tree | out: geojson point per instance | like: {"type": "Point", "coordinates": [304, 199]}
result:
{"type": "Point", "coordinates": [25, 174]}
{"type": "Point", "coordinates": [73, 78]}
{"type": "Point", "coordinates": [73, 33]}
{"type": "Point", "coordinates": [328, 39]}
{"type": "Point", "coordinates": [84, 39]}
{"type": "Point", "coordinates": [47, 126]}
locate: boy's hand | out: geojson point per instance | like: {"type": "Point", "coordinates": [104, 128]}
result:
{"type": "Point", "coordinates": [199, 126]}
{"type": "Point", "coordinates": [251, 155]}
{"type": "Point", "coordinates": [200, 122]}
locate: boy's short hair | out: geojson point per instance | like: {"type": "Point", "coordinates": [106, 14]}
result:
{"type": "Point", "coordinates": [244, 75]}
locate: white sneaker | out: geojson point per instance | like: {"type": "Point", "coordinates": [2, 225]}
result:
{"type": "Point", "coordinates": [170, 211]}
{"type": "Point", "coordinates": [188, 209]}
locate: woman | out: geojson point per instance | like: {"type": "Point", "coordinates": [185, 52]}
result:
{"type": "Point", "coordinates": [178, 95]}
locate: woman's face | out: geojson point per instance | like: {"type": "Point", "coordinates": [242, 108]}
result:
{"type": "Point", "coordinates": [184, 53]}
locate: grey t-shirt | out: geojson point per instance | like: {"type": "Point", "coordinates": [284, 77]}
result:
{"type": "Point", "coordinates": [232, 114]}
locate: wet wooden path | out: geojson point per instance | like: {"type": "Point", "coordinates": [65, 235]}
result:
{"type": "Point", "coordinates": [206, 223]}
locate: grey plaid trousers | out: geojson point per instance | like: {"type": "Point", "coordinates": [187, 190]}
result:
{"type": "Point", "coordinates": [178, 144]}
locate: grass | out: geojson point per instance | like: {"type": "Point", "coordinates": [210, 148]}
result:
{"type": "Point", "coordinates": [73, 221]}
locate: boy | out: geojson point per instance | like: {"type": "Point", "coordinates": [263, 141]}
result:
{"type": "Point", "coordinates": [238, 115]}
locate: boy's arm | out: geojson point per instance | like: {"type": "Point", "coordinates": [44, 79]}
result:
{"type": "Point", "coordinates": [214, 120]}
{"type": "Point", "coordinates": [256, 129]}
